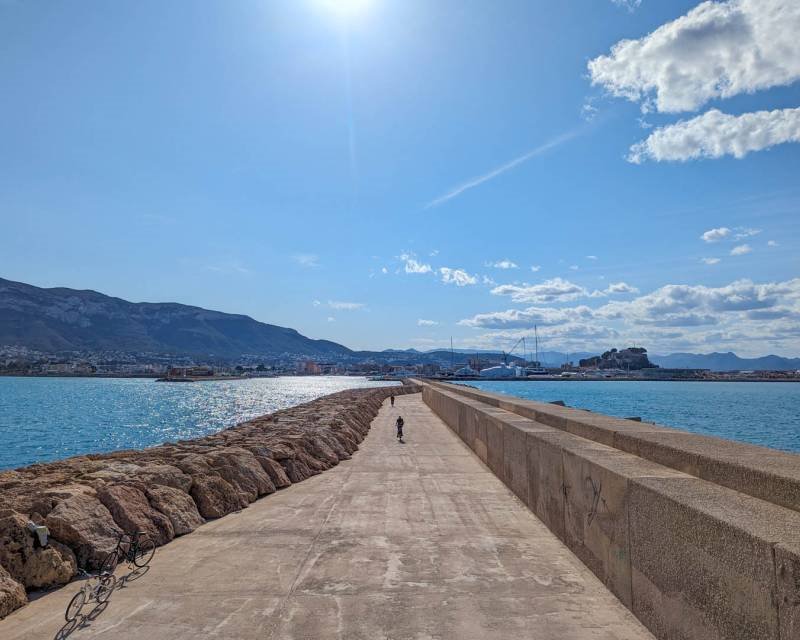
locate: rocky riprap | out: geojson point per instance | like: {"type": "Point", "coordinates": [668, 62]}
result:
{"type": "Point", "coordinates": [168, 490]}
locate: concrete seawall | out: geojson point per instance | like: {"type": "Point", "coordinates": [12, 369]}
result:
{"type": "Point", "coordinates": [699, 537]}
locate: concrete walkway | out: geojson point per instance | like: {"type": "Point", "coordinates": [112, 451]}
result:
{"type": "Point", "coordinates": [408, 541]}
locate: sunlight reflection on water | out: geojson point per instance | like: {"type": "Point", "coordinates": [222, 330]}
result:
{"type": "Point", "coordinates": [43, 419]}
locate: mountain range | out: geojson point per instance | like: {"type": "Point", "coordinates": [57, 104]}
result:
{"type": "Point", "coordinates": [60, 319]}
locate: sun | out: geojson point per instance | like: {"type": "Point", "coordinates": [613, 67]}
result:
{"type": "Point", "coordinates": [346, 8]}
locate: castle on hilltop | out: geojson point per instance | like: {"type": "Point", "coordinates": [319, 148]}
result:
{"type": "Point", "coordinates": [630, 359]}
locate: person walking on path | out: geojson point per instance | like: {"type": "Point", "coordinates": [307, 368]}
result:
{"type": "Point", "coordinates": [399, 425]}
{"type": "Point", "coordinates": [391, 398]}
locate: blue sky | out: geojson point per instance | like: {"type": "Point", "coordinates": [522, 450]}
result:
{"type": "Point", "coordinates": [352, 168]}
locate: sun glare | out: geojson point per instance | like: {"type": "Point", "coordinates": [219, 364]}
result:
{"type": "Point", "coordinates": [346, 8]}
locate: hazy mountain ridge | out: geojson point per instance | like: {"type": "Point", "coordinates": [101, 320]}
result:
{"type": "Point", "coordinates": [725, 362]}
{"type": "Point", "coordinates": [62, 319]}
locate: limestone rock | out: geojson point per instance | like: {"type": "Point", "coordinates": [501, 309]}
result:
{"type": "Point", "coordinates": [215, 497]}
{"type": "Point", "coordinates": [12, 594]}
{"type": "Point", "coordinates": [27, 562]}
{"type": "Point", "coordinates": [177, 505]}
{"type": "Point", "coordinates": [275, 472]}
{"type": "Point", "coordinates": [86, 526]}
{"type": "Point", "coordinates": [240, 468]}
{"type": "Point", "coordinates": [132, 512]}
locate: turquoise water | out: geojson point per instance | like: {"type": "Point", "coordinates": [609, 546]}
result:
{"type": "Point", "coordinates": [43, 419]}
{"type": "Point", "coordinates": [764, 413]}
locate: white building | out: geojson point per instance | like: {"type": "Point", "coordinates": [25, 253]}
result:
{"type": "Point", "coordinates": [502, 371]}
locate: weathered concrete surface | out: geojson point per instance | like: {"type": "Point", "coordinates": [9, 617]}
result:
{"type": "Point", "coordinates": [692, 559]}
{"type": "Point", "coordinates": [760, 472]}
{"type": "Point", "coordinates": [168, 490]}
{"type": "Point", "coordinates": [418, 541]}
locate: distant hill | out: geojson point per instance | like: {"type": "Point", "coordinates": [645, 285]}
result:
{"type": "Point", "coordinates": [60, 319]}
{"type": "Point", "coordinates": [725, 362]}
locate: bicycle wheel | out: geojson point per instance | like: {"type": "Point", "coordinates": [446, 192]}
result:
{"type": "Point", "coordinates": [144, 552]}
{"type": "Point", "coordinates": [109, 564]}
{"type": "Point", "coordinates": [105, 588]}
{"type": "Point", "coordinates": [75, 605]}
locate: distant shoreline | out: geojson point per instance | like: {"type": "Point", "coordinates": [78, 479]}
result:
{"type": "Point", "coordinates": [617, 379]}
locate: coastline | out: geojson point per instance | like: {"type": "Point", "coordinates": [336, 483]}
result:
{"type": "Point", "coordinates": [167, 490]}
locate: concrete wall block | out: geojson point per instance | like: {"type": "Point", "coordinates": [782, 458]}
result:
{"type": "Point", "coordinates": [481, 446]}
{"type": "Point", "coordinates": [546, 481]}
{"type": "Point", "coordinates": [787, 566]}
{"type": "Point", "coordinates": [515, 460]}
{"type": "Point", "coordinates": [494, 439]}
{"type": "Point", "coordinates": [702, 560]}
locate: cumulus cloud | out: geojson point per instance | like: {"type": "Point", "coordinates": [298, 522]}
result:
{"type": "Point", "coordinates": [715, 235]}
{"type": "Point", "coordinates": [716, 50]}
{"type": "Point", "coordinates": [743, 316]}
{"type": "Point", "coordinates": [741, 250]}
{"type": "Point", "coordinates": [535, 267]}
{"type": "Point", "coordinates": [426, 323]}
{"type": "Point", "coordinates": [527, 318]}
{"type": "Point", "coordinates": [620, 288]}
{"type": "Point", "coordinates": [772, 243]}
{"type": "Point", "coordinates": [746, 232]}
{"type": "Point", "coordinates": [458, 277]}
{"type": "Point", "coordinates": [345, 306]}
{"type": "Point", "coordinates": [505, 263]}
{"type": "Point", "coordinates": [412, 265]}
{"type": "Point", "coordinates": [715, 134]}
{"type": "Point", "coordinates": [553, 290]}
{"type": "Point", "coordinates": [710, 260]}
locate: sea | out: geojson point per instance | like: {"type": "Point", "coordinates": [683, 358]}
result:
{"type": "Point", "coordinates": [45, 419]}
{"type": "Point", "coordinates": [762, 413]}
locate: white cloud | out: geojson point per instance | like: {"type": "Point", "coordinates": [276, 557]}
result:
{"type": "Point", "coordinates": [535, 267]}
{"type": "Point", "coordinates": [306, 259]}
{"type": "Point", "coordinates": [591, 257]}
{"type": "Point", "coordinates": [488, 281]}
{"type": "Point", "coordinates": [426, 323]}
{"type": "Point", "coordinates": [710, 260]}
{"type": "Point", "coordinates": [316, 303]}
{"type": "Point", "coordinates": [716, 50]}
{"type": "Point", "coordinates": [505, 263]}
{"type": "Point", "coordinates": [772, 243]}
{"type": "Point", "coordinates": [331, 319]}
{"type": "Point", "coordinates": [384, 270]}
{"type": "Point", "coordinates": [412, 265]}
{"type": "Point", "coordinates": [630, 5]}
{"type": "Point", "coordinates": [715, 134]}
{"type": "Point", "coordinates": [715, 235]}
{"type": "Point", "coordinates": [527, 318]}
{"type": "Point", "coordinates": [479, 180]}
{"type": "Point", "coordinates": [345, 306]}
{"type": "Point", "coordinates": [744, 316]}
{"type": "Point", "coordinates": [741, 250]}
{"type": "Point", "coordinates": [458, 277]}
{"type": "Point", "coordinates": [554, 290]}
{"type": "Point", "coordinates": [620, 288]}
{"type": "Point", "coordinates": [746, 232]}
{"type": "Point", "coordinates": [573, 267]}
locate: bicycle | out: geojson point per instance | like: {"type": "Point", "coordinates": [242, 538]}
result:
{"type": "Point", "coordinates": [137, 549]}
{"type": "Point", "coordinates": [98, 588]}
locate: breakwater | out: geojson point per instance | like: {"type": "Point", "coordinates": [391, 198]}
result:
{"type": "Point", "coordinates": [168, 490]}
{"type": "Point", "coordinates": [699, 537]}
